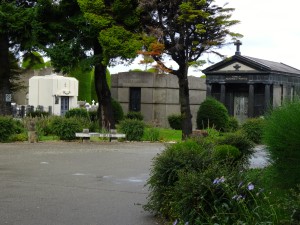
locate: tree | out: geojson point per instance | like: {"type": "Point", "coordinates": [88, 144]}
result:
{"type": "Point", "coordinates": [186, 29]}
{"type": "Point", "coordinates": [91, 33]}
{"type": "Point", "coordinates": [16, 19]}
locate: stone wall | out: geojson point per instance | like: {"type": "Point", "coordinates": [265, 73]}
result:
{"type": "Point", "coordinates": [159, 94]}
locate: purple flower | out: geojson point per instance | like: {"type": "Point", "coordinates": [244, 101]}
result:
{"type": "Point", "coordinates": [250, 186]}
{"type": "Point", "coordinates": [175, 222]}
{"type": "Point", "coordinates": [219, 180]}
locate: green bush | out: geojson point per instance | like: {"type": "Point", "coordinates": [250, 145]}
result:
{"type": "Point", "coordinates": [151, 134]}
{"type": "Point", "coordinates": [93, 116]}
{"type": "Point", "coordinates": [7, 128]}
{"type": "Point", "coordinates": [254, 129]}
{"type": "Point", "coordinates": [134, 129]}
{"type": "Point", "coordinates": [77, 112]}
{"type": "Point", "coordinates": [240, 141]}
{"type": "Point", "coordinates": [117, 110]}
{"type": "Point", "coordinates": [233, 124]}
{"type": "Point", "coordinates": [175, 121]}
{"type": "Point", "coordinates": [18, 137]}
{"type": "Point", "coordinates": [38, 114]}
{"type": "Point", "coordinates": [66, 128]}
{"type": "Point", "coordinates": [134, 115]}
{"type": "Point", "coordinates": [226, 152]}
{"type": "Point", "coordinates": [212, 113]}
{"type": "Point", "coordinates": [281, 135]}
{"type": "Point", "coordinates": [185, 156]}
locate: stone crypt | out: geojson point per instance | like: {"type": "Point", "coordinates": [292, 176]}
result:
{"type": "Point", "coordinates": [249, 86]}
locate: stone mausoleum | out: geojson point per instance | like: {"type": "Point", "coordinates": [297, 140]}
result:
{"type": "Point", "coordinates": [156, 96]}
{"type": "Point", "coordinates": [250, 86]}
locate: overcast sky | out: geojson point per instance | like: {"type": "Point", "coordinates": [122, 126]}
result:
{"type": "Point", "coordinates": [271, 30]}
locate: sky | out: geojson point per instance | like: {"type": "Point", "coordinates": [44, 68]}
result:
{"type": "Point", "coordinates": [270, 29]}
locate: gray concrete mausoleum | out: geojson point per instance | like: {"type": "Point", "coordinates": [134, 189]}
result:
{"type": "Point", "coordinates": [156, 96]}
{"type": "Point", "coordinates": [250, 86]}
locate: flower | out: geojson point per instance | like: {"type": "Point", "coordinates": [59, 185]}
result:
{"type": "Point", "coordinates": [175, 222]}
{"type": "Point", "coordinates": [219, 180]}
{"type": "Point", "coordinates": [250, 186]}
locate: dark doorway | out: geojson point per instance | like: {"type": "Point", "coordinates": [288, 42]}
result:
{"type": "Point", "coordinates": [64, 107]}
{"type": "Point", "coordinates": [135, 99]}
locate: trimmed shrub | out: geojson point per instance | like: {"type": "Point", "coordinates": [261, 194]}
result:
{"type": "Point", "coordinates": [240, 141]}
{"type": "Point", "coordinates": [134, 115]}
{"type": "Point", "coordinates": [175, 121]}
{"type": "Point", "coordinates": [212, 113]}
{"type": "Point", "coordinates": [117, 110]}
{"type": "Point", "coordinates": [77, 112]}
{"type": "Point", "coordinates": [67, 128]}
{"type": "Point", "coordinates": [38, 114]}
{"type": "Point", "coordinates": [233, 124]}
{"type": "Point", "coordinates": [7, 128]}
{"type": "Point", "coordinates": [133, 128]}
{"type": "Point", "coordinates": [226, 152]}
{"type": "Point", "coordinates": [282, 136]}
{"type": "Point", "coordinates": [254, 129]}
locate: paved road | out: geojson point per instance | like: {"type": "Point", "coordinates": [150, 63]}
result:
{"type": "Point", "coordinates": [61, 183]}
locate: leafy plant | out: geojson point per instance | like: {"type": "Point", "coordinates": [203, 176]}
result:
{"type": "Point", "coordinates": [281, 134]}
{"type": "Point", "coordinates": [233, 124]}
{"type": "Point", "coordinates": [226, 153]}
{"type": "Point", "coordinates": [77, 112]}
{"type": "Point", "coordinates": [7, 128]}
{"type": "Point", "coordinates": [67, 128]}
{"type": "Point", "coordinates": [151, 134]}
{"type": "Point", "coordinates": [175, 121]}
{"type": "Point", "coordinates": [133, 128]}
{"type": "Point", "coordinates": [212, 113]}
{"type": "Point", "coordinates": [253, 128]}
{"type": "Point", "coordinates": [117, 110]}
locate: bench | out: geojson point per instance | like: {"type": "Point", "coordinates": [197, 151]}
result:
{"type": "Point", "coordinates": [86, 135]}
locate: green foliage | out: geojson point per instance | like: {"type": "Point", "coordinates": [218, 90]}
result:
{"type": "Point", "coordinates": [240, 141]}
{"type": "Point", "coordinates": [77, 112]}
{"type": "Point", "coordinates": [175, 121]}
{"type": "Point", "coordinates": [254, 129]}
{"type": "Point", "coordinates": [281, 135]}
{"type": "Point", "coordinates": [33, 60]}
{"type": "Point", "coordinates": [38, 113]}
{"type": "Point", "coordinates": [18, 137]}
{"type": "Point", "coordinates": [134, 115]}
{"type": "Point", "coordinates": [7, 128]}
{"type": "Point", "coordinates": [66, 128]}
{"type": "Point", "coordinates": [117, 110]}
{"type": "Point", "coordinates": [134, 129]}
{"type": "Point", "coordinates": [226, 153]}
{"type": "Point", "coordinates": [233, 124]}
{"type": "Point", "coordinates": [84, 77]}
{"type": "Point", "coordinates": [212, 113]}
{"type": "Point", "coordinates": [151, 134]}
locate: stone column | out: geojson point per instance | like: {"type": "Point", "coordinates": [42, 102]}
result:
{"type": "Point", "coordinates": [251, 101]}
{"type": "Point", "coordinates": [223, 93]}
{"type": "Point", "coordinates": [267, 96]}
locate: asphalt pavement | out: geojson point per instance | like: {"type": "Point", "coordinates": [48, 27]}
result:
{"type": "Point", "coordinates": [72, 183]}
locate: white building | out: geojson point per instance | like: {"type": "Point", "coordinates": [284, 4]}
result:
{"type": "Point", "coordinates": [53, 91]}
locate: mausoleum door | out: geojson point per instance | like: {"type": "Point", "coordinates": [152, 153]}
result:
{"type": "Point", "coordinates": [241, 106]}
{"type": "Point", "coordinates": [135, 99]}
{"type": "Point", "coordinates": [64, 107]}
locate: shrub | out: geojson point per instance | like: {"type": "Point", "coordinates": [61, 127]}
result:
{"type": "Point", "coordinates": [185, 156]}
{"type": "Point", "coordinates": [282, 136]}
{"type": "Point", "coordinates": [226, 152]}
{"type": "Point", "coordinates": [77, 112]}
{"type": "Point", "coordinates": [38, 114]}
{"type": "Point", "coordinates": [254, 129]}
{"type": "Point", "coordinates": [233, 124]}
{"type": "Point", "coordinates": [240, 141]}
{"type": "Point", "coordinates": [66, 128]}
{"type": "Point", "coordinates": [134, 129]}
{"type": "Point", "coordinates": [212, 113]}
{"type": "Point", "coordinates": [7, 128]}
{"type": "Point", "coordinates": [93, 116]}
{"type": "Point", "coordinates": [134, 115]}
{"type": "Point", "coordinates": [151, 134]}
{"type": "Point", "coordinates": [117, 110]}
{"type": "Point", "coordinates": [19, 137]}
{"type": "Point", "coordinates": [175, 121]}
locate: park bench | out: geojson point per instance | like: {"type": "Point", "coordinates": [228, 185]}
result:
{"type": "Point", "coordinates": [85, 135]}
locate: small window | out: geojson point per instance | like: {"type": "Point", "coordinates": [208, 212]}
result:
{"type": "Point", "coordinates": [56, 100]}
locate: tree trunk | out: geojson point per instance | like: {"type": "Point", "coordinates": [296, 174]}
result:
{"type": "Point", "coordinates": [5, 107]}
{"type": "Point", "coordinates": [105, 112]}
{"type": "Point", "coordinates": [184, 99]}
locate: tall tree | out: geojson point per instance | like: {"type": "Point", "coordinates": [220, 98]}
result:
{"type": "Point", "coordinates": [16, 19]}
{"type": "Point", "coordinates": [91, 33]}
{"type": "Point", "coordinates": [187, 29]}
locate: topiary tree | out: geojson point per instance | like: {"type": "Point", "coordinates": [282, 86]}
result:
{"type": "Point", "coordinates": [175, 121]}
{"type": "Point", "coordinates": [212, 113]}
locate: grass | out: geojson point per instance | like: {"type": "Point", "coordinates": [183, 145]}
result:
{"type": "Point", "coordinates": [49, 138]}
{"type": "Point", "coordinates": [167, 135]}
